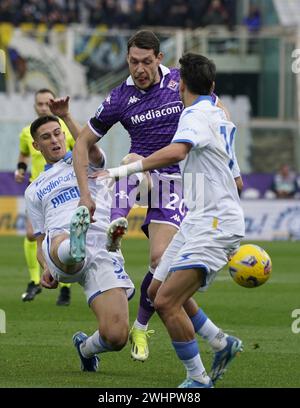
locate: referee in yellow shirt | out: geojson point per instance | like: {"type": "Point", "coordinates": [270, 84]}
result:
{"type": "Point", "coordinates": [27, 152]}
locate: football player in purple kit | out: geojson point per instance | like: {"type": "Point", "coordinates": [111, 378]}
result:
{"type": "Point", "coordinates": [148, 105]}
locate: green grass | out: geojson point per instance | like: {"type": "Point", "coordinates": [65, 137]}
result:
{"type": "Point", "coordinates": [37, 350]}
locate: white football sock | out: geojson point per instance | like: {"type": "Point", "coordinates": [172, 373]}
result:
{"type": "Point", "coordinates": [140, 326]}
{"type": "Point", "coordinates": [195, 369]}
{"type": "Point", "coordinates": [94, 345]}
{"type": "Point", "coordinates": [219, 341]}
{"type": "Point", "coordinates": [210, 332]}
{"type": "Point", "coordinates": [63, 253]}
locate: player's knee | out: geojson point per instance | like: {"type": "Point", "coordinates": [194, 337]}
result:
{"type": "Point", "coordinates": [115, 336]}
{"type": "Point", "coordinates": [152, 290]}
{"type": "Point", "coordinates": [162, 304]}
{"type": "Point", "coordinates": [116, 341]}
{"type": "Point", "coordinates": [130, 158]}
{"type": "Point", "coordinates": [155, 259]}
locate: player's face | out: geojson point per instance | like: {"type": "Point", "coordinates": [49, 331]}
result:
{"type": "Point", "coordinates": [143, 67]}
{"type": "Point", "coordinates": [50, 141]}
{"type": "Point", "coordinates": [41, 104]}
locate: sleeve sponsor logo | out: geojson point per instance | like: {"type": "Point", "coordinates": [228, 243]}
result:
{"type": "Point", "coordinates": [99, 110]}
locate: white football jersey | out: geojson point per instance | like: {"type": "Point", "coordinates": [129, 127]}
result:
{"type": "Point", "coordinates": [209, 169]}
{"type": "Point", "coordinates": [52, 198]}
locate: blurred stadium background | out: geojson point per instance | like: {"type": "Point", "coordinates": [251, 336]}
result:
{"type": "Point", "coordinates": [78, 48]}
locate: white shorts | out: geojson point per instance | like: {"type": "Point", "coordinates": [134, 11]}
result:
{"type": "Point", "coordinates": [101, 271]}
{"type": "Point", "coordinates": [197, 247]}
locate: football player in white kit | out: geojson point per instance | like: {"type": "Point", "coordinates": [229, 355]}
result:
{"type": "Point", "coordinates": [214, 225]}
{"type": "Point", "coordinates": [70, 249]}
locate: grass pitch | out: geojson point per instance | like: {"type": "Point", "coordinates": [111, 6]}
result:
{"type": "Point", "coordinates": [37, 350]}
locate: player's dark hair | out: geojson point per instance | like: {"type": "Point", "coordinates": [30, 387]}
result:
{"type": "Point", "coordinates": [45, 90]}
{"type": "Point", "coordinates": [40, 122]}
{"type": "Point", "coordinates": [144, 39]}
{"type": "Point", "coordinates": [198, 73]}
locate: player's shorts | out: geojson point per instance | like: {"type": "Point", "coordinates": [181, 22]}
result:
{"type": "Point", "coordinates": [165, 201]}
{"type": "Point", "coordinates": [102, 270]}
{"type": "Point", "coordinates": [198, 246]}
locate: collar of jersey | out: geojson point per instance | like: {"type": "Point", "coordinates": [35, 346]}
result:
{"type": "Point", "coordinates": [65, 158]}
{"type": "Point", "coordinates": [164, 70]}
{"type": "Point", "coordinates": [203, 98]}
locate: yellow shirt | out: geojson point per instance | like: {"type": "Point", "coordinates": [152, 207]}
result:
{"type": "Point", "coordinates": [37, 160]}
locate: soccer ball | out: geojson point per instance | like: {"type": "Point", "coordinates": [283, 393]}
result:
{"type": "Point", "coordinates": [250, 266]}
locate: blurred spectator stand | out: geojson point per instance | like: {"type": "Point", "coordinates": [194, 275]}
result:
{"type": "Point", "coordinates": [285, 182]}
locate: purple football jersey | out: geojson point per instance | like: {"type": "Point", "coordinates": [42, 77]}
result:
{"type": "Point", "coordinates": [150, 117]}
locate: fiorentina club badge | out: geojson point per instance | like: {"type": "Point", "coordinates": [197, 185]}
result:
{"type": "Point", "coordinates": [172, 85]}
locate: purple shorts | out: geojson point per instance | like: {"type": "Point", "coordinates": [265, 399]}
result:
{"type": "Point", "coordinates": [165, 201]}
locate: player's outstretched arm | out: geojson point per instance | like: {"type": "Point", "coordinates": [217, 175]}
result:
{"type": "Point", "coordinates": [174, 153]}
{"type": "Point", "coordinates": [145, 184]}
{"type": "Point", "coordinates": [171, 154]}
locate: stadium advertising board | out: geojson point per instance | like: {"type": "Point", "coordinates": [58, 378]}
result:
{"type": "Point", "coordinates": [265, 219]}
{"type": "Point", "coordinates": [272, 219]}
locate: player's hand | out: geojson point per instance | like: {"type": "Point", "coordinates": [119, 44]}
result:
{"type": "Point", "coordinates": [103, 175]}
{"type": "Point", "coordinates": [47, 280]}
{"type": "Point", "coordinates": [59, 106]}
{"type": "Point", "coordinates": [90, 204]}
{"type": "Point", "coordinates": [19, 176]}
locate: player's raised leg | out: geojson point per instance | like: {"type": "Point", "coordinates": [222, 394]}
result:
{"type": "Point", "coordinates": [68, 251]}
{"type": "Point", "coordinates": [116, 231]}
{"type": "Point", "coordinates": [78, 228]}
{"type": "Point", "coordinates": [126, 193]}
